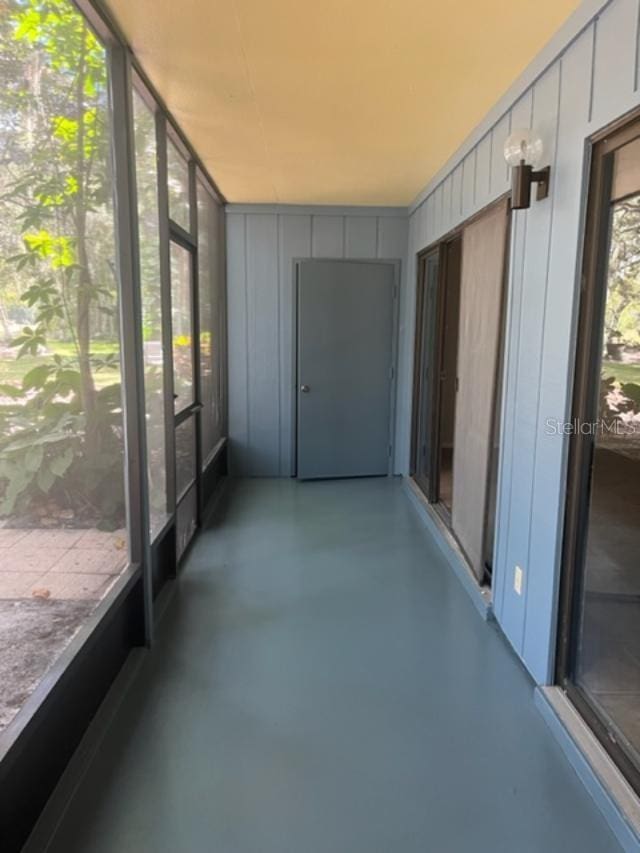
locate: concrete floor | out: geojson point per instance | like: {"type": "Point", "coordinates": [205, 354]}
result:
{"type": "Point", "coordinates": [322, 684]}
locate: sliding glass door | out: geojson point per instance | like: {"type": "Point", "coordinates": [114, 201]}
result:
{"type": "Point", "coordinates": [459, 329]}
{"type": "Point", "coordinates": [425, 350]}
{"type": "Point", "coordinates": [600, 640]}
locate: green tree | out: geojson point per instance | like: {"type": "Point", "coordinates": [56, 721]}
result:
{"type": "Point", "coordinates": [55, 207]}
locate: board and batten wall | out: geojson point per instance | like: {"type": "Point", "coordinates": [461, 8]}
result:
{"type": "Point", "coordinates": [262, 243]}
{"type": "Point", "coordinates": [592, 81]}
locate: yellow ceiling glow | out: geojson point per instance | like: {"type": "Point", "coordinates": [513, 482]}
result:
{"type": "Point", "coordinates": [339, 102]}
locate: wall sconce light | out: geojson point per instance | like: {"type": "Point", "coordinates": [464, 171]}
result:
{"type": "Point", "coordinates": [523, 151]}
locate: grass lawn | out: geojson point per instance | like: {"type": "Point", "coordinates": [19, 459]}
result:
{"type": "Point", "coordinates": [13, 369]}
{"type": "Point", "coordinates": [621, 371]}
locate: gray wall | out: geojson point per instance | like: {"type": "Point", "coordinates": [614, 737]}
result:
{"type": "Point", "coordinates": [262, 243]}
{"type": "Point", "coordinates": [592, 81]}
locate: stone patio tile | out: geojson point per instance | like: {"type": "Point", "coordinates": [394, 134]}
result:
{"type": "Point", "coordinates": [52, 538]}
{"type": "Point", "coordinates": [115, 540]}
{"type": "Point", "coordinates": [9, 536]}
{"type": "Point", "coordinates": [18, 584]}
{"type": "Point", "coordinates": [91, 561]}
{"type": "Point", "coordinates": [72, 586]}
{"type": "Point", "coordinates": [21, 558]}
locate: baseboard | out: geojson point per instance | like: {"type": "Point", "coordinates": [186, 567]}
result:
{"type": "Point", "coordinates": [612, 794]}
{"type": "Point", "coordinates": [481, 596]}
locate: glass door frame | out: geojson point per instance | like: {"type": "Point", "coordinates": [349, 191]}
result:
{"type": "Point", "coordinates": [435, 379]}
{"type": "Point", "coordinates": [173, 233]}
{"type": "Point", "coordinates": [430, 485]}
{"type": "Point", "coordinates": [425, 389]}
{"type": "Point", "coordinates": [584, 409]}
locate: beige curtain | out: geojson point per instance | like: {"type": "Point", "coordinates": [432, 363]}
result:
{"type": "Point", "coordinates": [483, 259]}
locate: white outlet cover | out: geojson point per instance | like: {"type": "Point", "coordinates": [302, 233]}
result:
{"type": "Point", "coordinates": [517, 580]}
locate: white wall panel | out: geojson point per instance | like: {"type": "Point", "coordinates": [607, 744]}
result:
{"type": "Point", "coordinates": [447, 216]}
{"type": "Point", "coordinates": [499, 177]}
{"type": "Point", "coordinates": [482, 187]}
{"type": "Point", "coordinates": [392, 237]}
{"type": "Point", "coordinates": [468, 184]}
{"type": "Point", "coordinates": [263, 325]}
{"type": "Point", "coordinates": [328, 236]}
{"type": "Point", "coordinates": [614, 62]}
{"type": "Point", "coordinates": [456, 196]}
{"type": "Point", "coordinates": [547, 507]}
{"type": "Point", "coordinates": [361, 236]}
{"type": "Point", "coordinates": [526, 333]}
{"type": "Point", "coordinates": [238, 354]}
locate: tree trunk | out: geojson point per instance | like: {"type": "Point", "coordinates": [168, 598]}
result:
{"type": "Point", "coordinates": [83, 304]}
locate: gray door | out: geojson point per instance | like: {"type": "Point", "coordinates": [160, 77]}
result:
{"type": "Point", "coordinates": [345, 334]}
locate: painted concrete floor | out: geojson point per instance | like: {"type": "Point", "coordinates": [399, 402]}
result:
{"type": "Point", "coordinates": [322, 684]}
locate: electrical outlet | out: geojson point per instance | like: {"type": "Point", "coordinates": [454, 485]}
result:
{"type": "Point", "coordinates": [517, 580]}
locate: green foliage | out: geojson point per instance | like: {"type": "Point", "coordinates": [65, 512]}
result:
{"type": "Point", "coordinates": [43, 450]}
{"type": "Point", "coordinates": [622, 316]}
{"type": "Point", "coordinates": [60, 431]}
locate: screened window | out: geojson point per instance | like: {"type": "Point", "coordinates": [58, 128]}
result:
{"type": "Point", "coordinates": [182, 331]}
{"type": "Point", "coordinates": [210, 314]}
{"type": "Point", "coordinates": [178, 186]}
{"type": "Point", "coordinates": [154, 356]}
{"type": "Point", "coordinates": [62, 507]}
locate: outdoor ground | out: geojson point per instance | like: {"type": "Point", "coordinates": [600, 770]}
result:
{"type": "Point", "coordinates": [50, 581]}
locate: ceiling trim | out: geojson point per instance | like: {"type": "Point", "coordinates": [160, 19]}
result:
{"type": "Point", "coordinates": [317, 209]}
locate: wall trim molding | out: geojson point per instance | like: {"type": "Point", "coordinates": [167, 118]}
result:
{"type": "Point", "coordinates": [608, 788]}
{"type": "Point", "coordinates": [559, 43]}
{"type": "Point", "coordinates": [318, 210]}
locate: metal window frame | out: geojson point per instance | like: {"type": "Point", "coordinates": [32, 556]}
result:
{"type": "Point", "coordinates": [219, 323]}
{"type": "Point", "coordinates": [65, 701]}
{"type": "Point", "coordinates": [130, 311]}
{"type": "Point", "coordinates": [125, 73]}
{"type": "Point", "coordinates": [601, 150]}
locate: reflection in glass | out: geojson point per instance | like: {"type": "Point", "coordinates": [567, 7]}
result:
{"type": "Point", "coordinates": [178, 186]}
{"type": "Point", "coordinates": [148, 218]}
{"type": "Point", "coordinates": [428, 330]}
{"type": "Point", "coordinates": [62, 507]}
{"type": "Point", "coordinates": [608, 650]}
{"type": "Point", "coordinates": [449, 368]}
{"type": "Point", "coordinates": [209, 315]}
{"type": "Point", "coordinates": [182, 326]}
{"type": "Point", "coordinates": [185, 455]}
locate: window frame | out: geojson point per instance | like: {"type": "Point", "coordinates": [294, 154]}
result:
{"type": "Point", "coordinates": [56, 715]}
{"type": "Point", "coordinates": [601, 150]}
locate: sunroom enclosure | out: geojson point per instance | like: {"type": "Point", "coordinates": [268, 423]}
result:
{"type": "Point", "coordinates": [112, 368]}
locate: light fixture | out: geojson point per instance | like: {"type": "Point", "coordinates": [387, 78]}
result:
{"type": "Point", "coordinates": [523, 151]}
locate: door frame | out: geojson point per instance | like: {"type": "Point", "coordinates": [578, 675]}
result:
{"type": "Point", "coordinates": [441, 246]}
{"type": "Point", "coordinates": [393, 383]}
{"type": "Point", "coordinates": [593, 292]}
{"type": "Point", "coordinates": [418, 361]}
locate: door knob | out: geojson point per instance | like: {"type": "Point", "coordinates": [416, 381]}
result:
{"type": "Point", "coordinates": [305, 389]}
